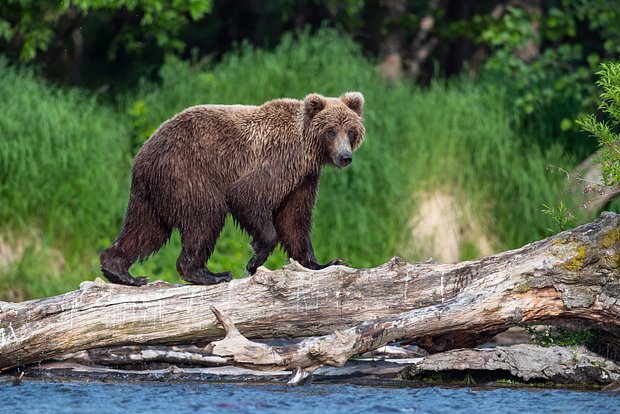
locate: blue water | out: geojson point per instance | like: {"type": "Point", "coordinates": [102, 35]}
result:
{"type": "Point", "coordinates": [82, 397]}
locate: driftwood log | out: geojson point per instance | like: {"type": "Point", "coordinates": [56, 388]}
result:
{"type": "Point", "coordinates": [571, 276]}
{"type": "Point", "coordinates": [561, 365]}
{"type": "Point", "coordinates": [144, 355]}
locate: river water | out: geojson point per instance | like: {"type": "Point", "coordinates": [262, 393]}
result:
{"type": "Point", "coordinates": [97, 397]}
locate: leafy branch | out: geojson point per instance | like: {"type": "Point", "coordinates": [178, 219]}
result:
{"type": "Point", "coordinates": [606, 131]}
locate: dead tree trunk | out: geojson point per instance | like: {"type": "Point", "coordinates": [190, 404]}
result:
{"type": "Point", "coordinates": [562, 365]}
{"type": "Point", "coordinates": [573, 275]}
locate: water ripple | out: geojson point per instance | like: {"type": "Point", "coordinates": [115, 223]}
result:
{"type": "Point", "coordinates": [80, 397]}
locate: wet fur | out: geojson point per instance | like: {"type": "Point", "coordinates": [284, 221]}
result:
{"type": "Point", "coordinates": [261, 164]}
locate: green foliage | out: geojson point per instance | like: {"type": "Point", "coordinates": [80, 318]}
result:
{"type": "Point", "coordinates": [63, 165]}
{"type": "Point", "coordinates": [346, 13]}
{"type": "Point", "coordinates": [561, 216]}
{"type": "Point", "coordinates": [31, 25]}
{"type": "Point", "coordinates": [556, 336]}
{"type": "Point", "coordinates": [548, 56]}
{"type": "Point", "coordinates": [469, 379]}
{"type": "Point", "coordinates": [606, 131]}
{"type": "Point", "coordinates": [543, 54]}
{"type": "Point", "coordinates": [38, 273]}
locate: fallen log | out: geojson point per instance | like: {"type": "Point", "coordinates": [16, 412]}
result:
{"type": "Point", "coordinates": [573, 275]}
{"type": "Point", "coordinates": [561, 365]}
{"type": "Point", "coordinates": [521, 364]}
{"type": "Point", "coordinates": [144, 355]}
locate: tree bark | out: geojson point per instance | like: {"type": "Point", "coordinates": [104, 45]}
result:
{"type": "Point", "coordinates": [562, 365]}
{"type": "Point", "coordinates": [573, 275]}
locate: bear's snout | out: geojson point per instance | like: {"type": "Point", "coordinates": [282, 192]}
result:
{"type": "Point", "coordinates": [345, 158]}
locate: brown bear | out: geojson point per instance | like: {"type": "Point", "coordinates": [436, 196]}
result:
{"type": "Point", "coordinates": [261, 164]}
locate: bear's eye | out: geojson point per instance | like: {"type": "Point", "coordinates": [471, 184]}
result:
{"type": "Point", "coordinates": [351, 135]}
{"type": "Point", "coordinates": [331, 134]}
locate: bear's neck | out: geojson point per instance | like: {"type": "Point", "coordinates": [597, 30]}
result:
{"type": "Point", "coordinates": [310, 141]}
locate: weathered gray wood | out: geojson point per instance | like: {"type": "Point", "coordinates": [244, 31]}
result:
{"type": "Point", "coordinates": [146, 354]}
{"type": "Point", "coordinates": [573, 275]}
{"type": "Point", "coordinates": [563, 365]}
{"type": "Point", "coordinates": [68, 370]}
{"type": "Point", "coordinates": [533, 363]}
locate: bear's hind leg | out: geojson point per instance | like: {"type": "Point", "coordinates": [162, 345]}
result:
{"type": "Point", "coordinates": [142, 235]}
{"type": "Point", "coordinates": [198, 241]}
{"type": "Point", "coordinates": [115, 264]}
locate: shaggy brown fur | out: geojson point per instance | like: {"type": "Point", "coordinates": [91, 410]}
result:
{"type": "Point", "coordinates": [260, 163]}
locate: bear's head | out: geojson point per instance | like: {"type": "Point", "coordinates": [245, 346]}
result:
{"type": "Point", "coordinates": [335, 124]}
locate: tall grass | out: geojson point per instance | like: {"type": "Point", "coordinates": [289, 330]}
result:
{"type": "Point", "coordinates": [469, 145]}
{"type": "Point", "coordinates": [63, 170]}
{"type": "Point", "coordinates": [66, 157]}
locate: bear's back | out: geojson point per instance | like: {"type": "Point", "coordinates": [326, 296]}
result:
{"type": "Point", "coordinates": [227, 127]}
{"type": "Point", "coordinates": [217, 145]}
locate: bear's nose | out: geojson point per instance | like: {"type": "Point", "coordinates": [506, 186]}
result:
{"type": "Point", "coordinates": [345, 158]}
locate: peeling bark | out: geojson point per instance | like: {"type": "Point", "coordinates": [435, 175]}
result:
{"type": "Point", "coordinates": [571, 276]}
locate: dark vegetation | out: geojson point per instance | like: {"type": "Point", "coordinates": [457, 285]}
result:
{"type": "Point", "coordinates": [473, 99]}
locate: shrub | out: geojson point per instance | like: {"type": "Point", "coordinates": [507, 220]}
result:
{"type": "Point", "coordinates": [606, 131]}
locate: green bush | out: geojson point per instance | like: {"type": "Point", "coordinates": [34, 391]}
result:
{"type": "Point", "coordinates": [606, 131]}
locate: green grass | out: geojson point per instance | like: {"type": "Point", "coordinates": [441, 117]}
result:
{"type": "Point", "coordinates": [63, 171]}
{"type": "Point", "coordinates": [69, 171]}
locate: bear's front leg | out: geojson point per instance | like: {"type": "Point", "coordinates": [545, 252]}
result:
{"type": "Point", "coordinates": [293, 222]}
{"type": "Point", "coordinates": [262, 245]}
{"type": "Point", "coordinates": [254, 217]}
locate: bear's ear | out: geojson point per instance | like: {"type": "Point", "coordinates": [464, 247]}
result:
{"type": "Point", "coordinates": [354, 100]}
{"type": "Point", "coordinates": [313, 104]}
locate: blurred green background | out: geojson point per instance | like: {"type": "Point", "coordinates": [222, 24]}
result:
{"type": "Point", "coordinates": [470, 116]}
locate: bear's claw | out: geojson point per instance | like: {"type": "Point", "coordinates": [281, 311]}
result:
{"type": "Point", "coordinates": [205, 277]}
{"type": "Point", "coordinates": [338, 262]}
